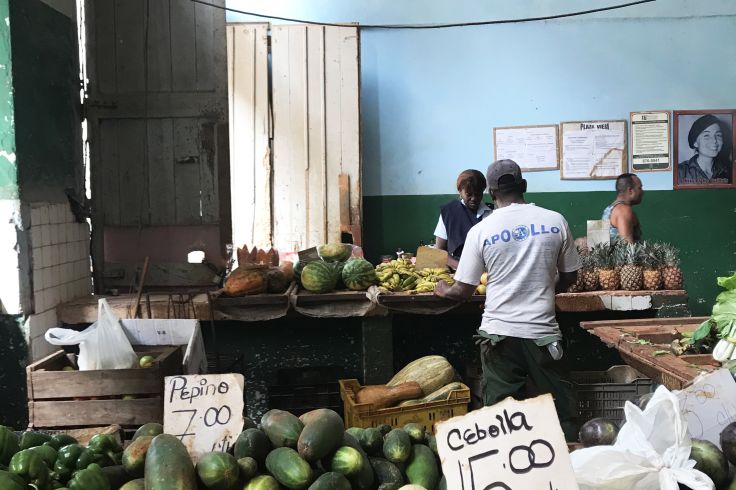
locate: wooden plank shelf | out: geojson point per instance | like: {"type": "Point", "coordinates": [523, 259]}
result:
{"type": "Point", "coordinates": [641, 342]}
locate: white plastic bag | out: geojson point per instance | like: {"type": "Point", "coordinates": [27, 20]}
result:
{"type": "Point", "coordinates": [102, 345]}
{"type": "Point", "coordinates": [652, 451]}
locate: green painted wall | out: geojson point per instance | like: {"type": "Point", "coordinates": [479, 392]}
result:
{"type": "Point", "coordinates": [8, 181]}
{"type": "Point", "coordinates": [702, 223]}
{"type": "Point", "coordinates": [46, 81]}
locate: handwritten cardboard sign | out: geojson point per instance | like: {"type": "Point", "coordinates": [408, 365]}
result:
{"type": "Point", "coordinates": [513, 445]}
{"type": "Point", "coordinates": [709, 405]}
{"type": "Point", "coordinates": [204, 411]}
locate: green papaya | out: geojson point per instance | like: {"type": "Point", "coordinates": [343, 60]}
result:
{"type": "Point", "coordinates": [321, 435]}
{"type": "Point", "coordinates": [134, 456]}
{"type": "Point", "coordinates": [282, 428]}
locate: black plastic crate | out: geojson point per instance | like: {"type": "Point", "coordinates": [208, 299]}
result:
{"type": "Point", "coordinates": [302, 399]}
{"type": "Point", "coordinates": [604, 393]}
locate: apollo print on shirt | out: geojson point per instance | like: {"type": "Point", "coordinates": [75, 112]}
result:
{"type": "Point", "coordinates": [520, 233]}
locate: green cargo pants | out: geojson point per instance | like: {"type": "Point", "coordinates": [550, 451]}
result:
{"type": "Point", "coordinates": [508, 364]}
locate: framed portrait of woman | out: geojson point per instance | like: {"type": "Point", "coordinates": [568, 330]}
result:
{"type": "Point", "coordinates": [703, 147]}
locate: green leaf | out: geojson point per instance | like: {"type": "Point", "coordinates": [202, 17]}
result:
{"type": "Point", "coordinates": [727, 282]}
{"type": "Point", "coordinates": [660, 353]}
{"type": "Point", "coordinates": [702, 331]}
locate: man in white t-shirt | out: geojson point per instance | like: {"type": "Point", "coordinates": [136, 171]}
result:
{"type": "Point", "coordinates": [524, 249]}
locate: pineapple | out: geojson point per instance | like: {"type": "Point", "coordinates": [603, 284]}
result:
{"type": "Point", "coordinates": [671, 273]}
{"type": "Point", "coordinates": [605, 261]}
{"type": "Point", "coordinates": [652, 259]}
{"type": "Point", "coordinates": [631, 275]}
{"type": "Point", "coordinates": [588, 273]}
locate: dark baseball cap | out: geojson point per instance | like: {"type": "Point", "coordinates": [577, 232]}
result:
{"type": "Point", "coordinates": [498, 169]}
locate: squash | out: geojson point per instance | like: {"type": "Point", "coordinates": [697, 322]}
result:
{"type": "Point", "coordinates": [246, 280]}
{"type": "Point", "coordinates": [431, 372]}
{"type": "Point", "coordinates": [437, 395]}
{"type": "Point", "coordinates": [384, 396]}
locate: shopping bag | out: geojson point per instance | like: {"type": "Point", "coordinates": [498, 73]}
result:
{"type": "Point", "coordinates": [102, 345]}
{"type": "Point", "coordinates": [652, 451]}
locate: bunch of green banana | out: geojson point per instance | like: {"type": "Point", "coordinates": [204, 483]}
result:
{"type": "Point", "coordinates": [397, 275]}
{"type": "Point", "coordinates": [428, 279]}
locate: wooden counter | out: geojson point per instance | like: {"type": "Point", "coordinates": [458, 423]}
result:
{"type": "Point", "coordinates": [643, 343]}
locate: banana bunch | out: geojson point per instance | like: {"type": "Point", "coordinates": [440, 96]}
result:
{"type": "Point", "coordinates": [397, 275]}
{"type": "Point", "coordinates": [428, 279]}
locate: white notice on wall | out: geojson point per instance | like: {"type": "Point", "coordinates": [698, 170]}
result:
{"type": "Point", "coordinates": [532, 147]}
{"type": "Point", "coordinates": [513, 445]}
{"type": "Point", "coordinates": [709, 404]}
{"type": "Point", "coordinates": [204, 411]}
{"type": "Point", "coordinates": [650, 141]}
{"type": "Point", "coordinates": [593, 150]}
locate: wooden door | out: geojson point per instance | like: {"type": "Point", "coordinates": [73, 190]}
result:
{"type": "Point", "coordinates": [157, 119]}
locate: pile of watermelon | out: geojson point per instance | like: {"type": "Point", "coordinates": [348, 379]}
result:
{"type": "Point", "coordinates": [335, 269]}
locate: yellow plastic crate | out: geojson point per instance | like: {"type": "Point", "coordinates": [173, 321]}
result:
{"type": "Point", "coordinates": [428, 414]}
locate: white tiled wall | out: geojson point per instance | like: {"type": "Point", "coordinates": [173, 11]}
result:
{"type": "Point", "coordinates": [61, 268]}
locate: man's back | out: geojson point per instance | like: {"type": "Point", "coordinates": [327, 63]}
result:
{"type": "Point", "coordinates": [522, 247]}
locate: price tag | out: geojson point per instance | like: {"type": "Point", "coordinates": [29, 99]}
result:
{"type": "Point", "coordinates": [204, 411]}
{"type": "Point", "coordinates": [513, 445]}
{"type": "Point", "coordinates": [709, 404]}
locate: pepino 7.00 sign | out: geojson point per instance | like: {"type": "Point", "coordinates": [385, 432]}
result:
{"type": "Point", "coordinates": [513, 445]}
{"type": "Point", "coordinates": [205, 411]}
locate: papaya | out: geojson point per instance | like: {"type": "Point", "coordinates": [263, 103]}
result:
{"type": "Point", "coordinates": [134, 456]}
{"type": "Point", "coordinates": [255, 444]}
{"type": "Point", "coordinates": [330, 481]}
{"type": "Point", "coordinates": [312, 414]}
{"type": "Point", "coordinates": [397, 446]}
{"type": "Point", "coordinates": [289, 468]}
{"type": "Point", "coordinates": [150, 429]}
{"type": "Point", "coordinates": [262, 482]}
{"type": "Point", "coordinates": [372, 441]}
{"type": "Point", "coordinates": [137, 484]}
{"type": "Point", "coordinates": [421, 468]}
{"type": "Point", "coordinates": [168, 465]}
{"type": "Point", "coordinates": [321, 435]}
{"type": "Point", "coordinates": [282, 428]}
{"type": "Point", "coordinates": [248, 468]}
{"type": "Point", "coordinates": [218, 471]}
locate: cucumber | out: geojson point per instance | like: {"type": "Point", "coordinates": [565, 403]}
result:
{"type": "Point", "coordinates": [168, 465]}
{"type": "Point", "coordinates": [330, 481]}
{"type": "Point", "coordinates": [137, 484]}
{"type": "Point", "coordinates": [321, 436]}
{"type": "Point", "coordinates": [282, 428]}
{"type": "Point", "coordinates": [372, 441]}
{"type": "Point", "coordinates": [356, 432]}
{"type": "Point", "coordinates": [255, 444]}
{"type": "Point", "coordinates": [364, 479]}
{"type": "Point", "coordinates": [422, 467]}
{"type": "Point", "coordinates": [150, 429]}
{"type": "Point", "coordinates": [134, 456]}
{"type": "Point", "coordinates": [347, 461]}
{"type": "Point", "coordinates": [262, 482]}
{"type": "Point", "coordinates": [443, 483]}
{"type": "Point", "coordinates": [289, 468]}
{"type": "Point", "coordinates": [416, 432]}
{"type": "Point", "coordinates": [384, 428]}
{"type": "Point", "coordinates": [397, 446]}
{"type": "Point", "coordinates": [248, 468]}
{"type": "Point", "coordinates": [386, 471]}
{"type": "Point", "coordinates": [218, 471]}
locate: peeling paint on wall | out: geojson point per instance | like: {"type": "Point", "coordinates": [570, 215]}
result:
{"type": "Point", "coordinates": [8, 170]}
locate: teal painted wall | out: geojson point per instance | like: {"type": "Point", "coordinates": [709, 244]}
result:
{"type": "Point", "coordinates": [702, 223]}
{"type": "Point", "coordinates": [8, 179]}
{"type": "Point", "coordinates": [46, 81]}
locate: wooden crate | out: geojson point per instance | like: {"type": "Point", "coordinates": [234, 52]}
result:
{"type": "Point", "coordinates": [60, 399]}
